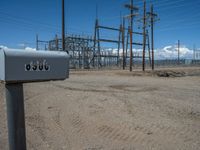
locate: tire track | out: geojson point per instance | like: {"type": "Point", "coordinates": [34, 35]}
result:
{"type": "Point", "coordinates": [83, 90]}
{"type": "Point", "coordinates": [37, 126]}
{"type": "Point", "coordinates": [94, 148]}
{"type": "Point", "coordinates": [133, 88]}
{"type": "Point", "coordinates": [173, 132]}
{"type": "Point", "coordinates": [58, 126]}
{"type": "Point", "coordinates": [78, 124]}
{"type": "Point", "coordinates": [179, 132]}
{"type": "Point", "coordinates": [129, 134]}
{"type": "Point", "coordinates": [117, 134]}
{"type": "Point", "coordinates": [30, 145]}
{"type": "Point", "coordinates": [31, 96]}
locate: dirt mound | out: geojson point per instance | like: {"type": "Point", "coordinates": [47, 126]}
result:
{"type": "Point", "coordinates": [170, 73]}
{"type": "Point", "coordinates": [178, 72]}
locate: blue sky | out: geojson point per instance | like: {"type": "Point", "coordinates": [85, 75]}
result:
{"type": "Point", "coordinates": [21, 20]}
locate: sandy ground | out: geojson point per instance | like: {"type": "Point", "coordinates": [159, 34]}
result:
{"type": "Point", "coordinates": [111, 110]}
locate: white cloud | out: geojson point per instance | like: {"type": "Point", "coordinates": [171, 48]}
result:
{"type": "Point", "coordinates": [26, 48]}
{"type": "Point", "coordinates": [3, 47]}
{"type": "Point", "coordinates": [171, 52]}
{"type": "Point", "coordinates": [167, 52]}
{"type": "Point", "coordinates": [30, 49]}
{"type": "Point", "coordinates": [22, 45]}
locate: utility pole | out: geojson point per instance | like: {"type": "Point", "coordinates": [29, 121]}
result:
{"type": "Point", "coordinates": [57, 42]}
{"type": "Point", "coordinates": [149, 49]}
{"type": "Point", "coordinates": [152, 36]}
{"type": "Point", "coordinates": [99, 47]}
{"type": "Point", "coordinates": [63, 25]}
{"type": "Point", "coordinates": [95, 40]}
{"type": "Point", "coordinates": [194, 51]}
{"type": "Point", "coordinates": [132, 9]}
{"type": "Point", "coordinates": [119, 44]}
{"type": "Point", "coordinates": [126, 52]}
{"type": "Point", "coordinates": [131, 36]}
{"type": "Point", "coordinates": [37, 42]}
{"type": "Point", "coordinates": [123, 42]}
{"type": "Point", "coordinates": [178, 52]}
{"type": "Point", "coordinates": [152, 16]}
{"type": "Point", "coordinates": [144, 36]}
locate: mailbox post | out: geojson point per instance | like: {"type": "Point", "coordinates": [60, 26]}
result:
{"type": "Point", "coordinates": [18, 67]}
{"type": "Point", "coordinates": [16, 116]}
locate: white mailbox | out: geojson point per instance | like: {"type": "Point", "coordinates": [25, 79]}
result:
{"type": "Point", "coordinates": [31, 66]}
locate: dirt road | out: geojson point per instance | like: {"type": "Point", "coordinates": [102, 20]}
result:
{"type": "Point", "coordinates": [111, 110]}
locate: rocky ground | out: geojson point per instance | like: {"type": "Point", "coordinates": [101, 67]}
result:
{"type": "Point", "coordinates": [112, 110]}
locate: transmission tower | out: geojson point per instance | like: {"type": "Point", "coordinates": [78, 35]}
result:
{"type": "Point", "coordinates": [132, 9]}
